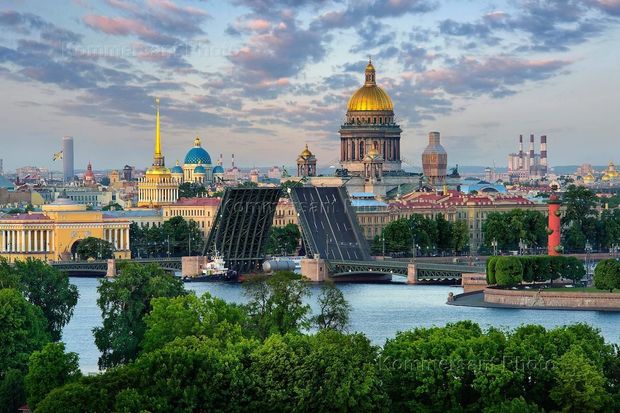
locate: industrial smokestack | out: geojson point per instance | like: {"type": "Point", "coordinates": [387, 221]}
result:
{"type": "Point", "coordinates": [520, 151]}
{"type": "Point", "coordinates": [233, 160]}
{"type": "Point", "coordinates": [543, 155]}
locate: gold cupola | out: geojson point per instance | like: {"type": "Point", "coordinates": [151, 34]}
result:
{"type": "Point", "coordinates": [370, 97]}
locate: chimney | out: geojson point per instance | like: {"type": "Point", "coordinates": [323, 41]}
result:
{"type": "Point", "coordinates": [543, 155]}
{"type": "Point", "coordinates": [521, 152]}
{"type": "Point", "coordinates": [532, 153]}
{"type": "Point", "coordinates": [233, 160]}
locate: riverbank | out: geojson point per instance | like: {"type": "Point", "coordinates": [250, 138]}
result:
{"type": "Point", "coordinates": [552, 299]}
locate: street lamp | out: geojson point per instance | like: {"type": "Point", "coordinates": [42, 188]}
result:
{"type": "Point", "coordinates": [494, 245]}
{"type": "Point", "coordinates": [588, 248]}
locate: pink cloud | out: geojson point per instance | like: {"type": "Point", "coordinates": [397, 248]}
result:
{"type": "Point", "coordinates": [117, 25]}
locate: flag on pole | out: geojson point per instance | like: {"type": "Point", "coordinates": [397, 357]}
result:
{"type": "Point", "coordinates": [57, 156]}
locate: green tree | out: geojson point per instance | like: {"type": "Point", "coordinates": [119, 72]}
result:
{"type": "Point", "coordinates": [124, 302]}
{"type": "Point", "coordinates": [518, 225]}
{"type": "Point", "coordinates": [189, 315]}
{"type": "Point", "coordinates": [276, 304]}
{"type": "Point", "coordinates": [514, 406]}
{"type": "Point", "coordinates": [283, 240]}
{"type": "Point", "coordinates": [112, 206]}
{"type": "Point", "coordinates": [49, 368]}
{"type": "Point", "coordinates": [460, 236]}
{"type": "Point", "coordinates": [491, 262]}
{"type": "Point", "coordinates": [334, 308]}
{"type": "Point", "coordinates": [607, 275]}
{"type": "Point", "coordinates": [508, 271]}
{"type": "Point", "coordinates": [397, 236]}
{"type": "Point", "coordinates": [579, 386]}
{"type": "Point", "coordinates": [50, 290]}
{"type": "Point", "coordinates": [191, 190]}
{"type": "Point", "coordinates": [94, 248]}
{"type": "Point", "coordinates": [12, 392]}
{"type": "Point", "coordinates": [325, 372]}
{"type": "Point", "coordinates": [22, 330]}
{"type": "Point", "coordinates": [180, 236]}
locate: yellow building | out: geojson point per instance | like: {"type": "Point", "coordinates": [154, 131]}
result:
{"type": "Point", "coordinates": [204, 210]}
{"type": "Point", "coordinates": [55, 233]}
{"type": "Point", "coordinates": [158, 187]}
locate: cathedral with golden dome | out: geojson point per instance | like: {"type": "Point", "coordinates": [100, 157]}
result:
{"type": "Point", "coordinates": [370, 157]}
{"type": "Point", "coordinates": [370, 125]}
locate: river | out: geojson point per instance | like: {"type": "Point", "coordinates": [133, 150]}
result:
{"type": "Point", "coordinates": [378, 311]}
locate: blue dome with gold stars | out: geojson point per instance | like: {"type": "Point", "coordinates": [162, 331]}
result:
{"type": "Point", "coordinates": [197, 155]}
{"type": "Point", "coordinates": [200, 170]}
{"type": "Point", "coordinates": [218, 169]}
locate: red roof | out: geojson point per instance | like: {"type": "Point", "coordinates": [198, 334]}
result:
{"type": "Point", "coordinates": [198, 202]}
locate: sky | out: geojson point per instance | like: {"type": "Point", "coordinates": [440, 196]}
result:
{"type": "Point", "coordinates": [260, 79]}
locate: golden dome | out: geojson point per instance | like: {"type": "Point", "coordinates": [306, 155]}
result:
{"type": "Point", "coordinates": [370, 96]}
{"type": "Point", "coordinates": [158, 170]}
{"type": "Point", "coordinates": [305, 153]}
{"type": "Point", "coordinates": [589, 178]}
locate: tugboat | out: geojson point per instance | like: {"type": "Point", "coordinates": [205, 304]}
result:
{"type": "Point", "coordinates": [214, 270]}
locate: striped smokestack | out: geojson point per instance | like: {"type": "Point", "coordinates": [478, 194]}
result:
{"type": "Point", "coordinates": [233, 160]}
{"type": "Point", "coordinates": [543, 155]}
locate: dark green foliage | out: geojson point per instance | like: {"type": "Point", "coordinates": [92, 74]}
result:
{"type": "Point", "coordinates": [430, 235]}
{"type": "Point", "coordinates": [326, 372]}
{"type": "Point", "coordinates": [191, 190]}
{"type": "Point", "coordinates": [50, 290]}
{"type": "Point", "coordinates": [513, 406]}
{"type": "Point", "coordinates": [189, 315]}
{"type": "Point", "coordinates": [175, 236]}
{"type": "Point", "coordinates": [508, 228]}
{"type": "Point", "coordinates": [49, 368]}
{"type": "Point", "coordinates": [124, 302]}
{"type": "Point", "coordinates": [607, 275]}
{"type": "Point", "coordinates": [112, 206]}
{"type": "Point", "coordinates": [508, 271]}
{"type": "Point", "coordinates": [334, 309]}
{"type": "Point", "coordinates": [12, 392]}
{"type": "Point", "coordinates": [491, 262]}
{"type": "Point", "coordinates": [276, 304]}
{"type": "Point", "coordinates": [94, 248]}
{"type": "Point", "coordinates": [22, 330]}
{"type": "Point", "coordinates": [540, 268]}
{"type": "Point", "coordinates": [283, 240]}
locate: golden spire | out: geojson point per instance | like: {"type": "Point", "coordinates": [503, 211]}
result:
{"type": "Point", "coordinates": [157, 134]}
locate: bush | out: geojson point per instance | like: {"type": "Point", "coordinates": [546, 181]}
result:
{"type": "Point", "coordinates": [607, 275]}
{"type": "Point", "coordinates": [491, 270]}
{"type": "Point", "coordinates": [508, 271]}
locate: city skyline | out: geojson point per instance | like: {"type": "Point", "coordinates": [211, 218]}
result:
{"type": "Point", "coordinates": [248, 78]}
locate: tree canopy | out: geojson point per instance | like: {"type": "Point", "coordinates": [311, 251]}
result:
{"type": "Point", "coordinates": [94, 248]}
{"type": "Point", "coordinates": [124, 302]}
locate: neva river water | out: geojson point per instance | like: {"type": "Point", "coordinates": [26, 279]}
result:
{"type": "Point", "coordinates": [378, 310]}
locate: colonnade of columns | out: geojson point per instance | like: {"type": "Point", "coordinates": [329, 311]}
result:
{"type": "Point", "coordinates": [354, 149]}
{"type": "Point", "coordinates": [158, 195]}
{"type": "Point", "coordinates": [118, 237]}
{"type": "Point", "coordinates": [26, 240]}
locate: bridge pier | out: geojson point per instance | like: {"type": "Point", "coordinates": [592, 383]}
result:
{"type": "Point", "coordinates": [111, 268]}
{"type": "Point", "coordinates": [315, 269]}
{"type": "Point", "coordinates": [412, 273]}
{"type": "Point", "coordinates": [192, 266]}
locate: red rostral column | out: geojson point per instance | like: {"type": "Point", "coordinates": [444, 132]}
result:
{"type": "Point", "coordinates": [554, 225]}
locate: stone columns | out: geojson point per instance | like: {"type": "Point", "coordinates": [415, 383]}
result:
{"type": "Point", "coordinates": [23, 241]}
{"type": "Point", "coordinates": [47, 240]}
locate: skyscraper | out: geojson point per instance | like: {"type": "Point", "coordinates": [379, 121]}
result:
{"type": "Point", "coordinates": [67, 158]}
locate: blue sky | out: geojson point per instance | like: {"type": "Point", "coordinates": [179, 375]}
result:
{"type": "Point", "coordinates": [261, 78]}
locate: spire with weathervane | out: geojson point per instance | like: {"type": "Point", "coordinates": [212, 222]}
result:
{"type": "Point", "coordinates": [158, 158]}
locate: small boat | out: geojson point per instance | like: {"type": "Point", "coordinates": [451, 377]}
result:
{"type": "Point", "coordinates": [214, 270]}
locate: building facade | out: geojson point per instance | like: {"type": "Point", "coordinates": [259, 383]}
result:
{"type": "Point", "coordinates": [306, 163]}
{"type": "Point", "coordinates": [68, 172]}
{"type": "Point", "coordinates": [55, 233]}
